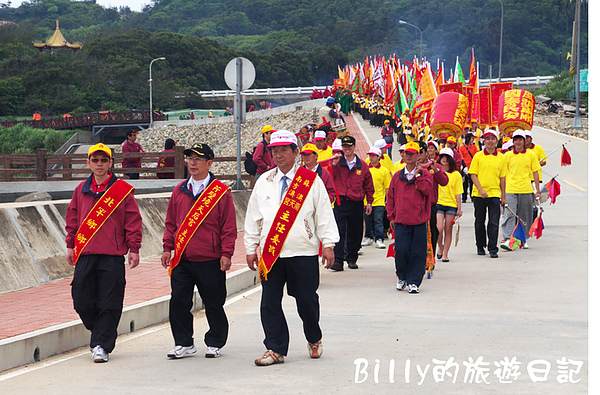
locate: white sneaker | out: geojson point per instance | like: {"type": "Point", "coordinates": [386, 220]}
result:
{"type": "Point", "coordinates": [99, 355]}
{"type": "Point", "coordinates": [212, 352]}
{"type": "Point", "coordinates": [401, 285]}
{"type": "Point", "coordinates": [504, 245]}
{"type": "Point", "coordinates": [360, 252]}
{"type": "Point", "coordinates": [366, 242]}
{"type": "Point", "coordinates": [379, 244]}
{"type": "Point", "coordinates": [525, 246]}
{"type": "Point", "coordinates": [413, 289]}
{"type": "Point", "coordinates": [181, 351]}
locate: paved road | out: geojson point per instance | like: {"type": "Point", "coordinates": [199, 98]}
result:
{"type": "Point", "coordinates": [529, 304]}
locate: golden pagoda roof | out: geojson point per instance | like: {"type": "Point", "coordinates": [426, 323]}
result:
{"type": "Point", "coordinates": [57, 40]}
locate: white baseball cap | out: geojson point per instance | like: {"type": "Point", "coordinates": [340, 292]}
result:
{"type": "Point", "coordinates": [375, 151]}
{"type": "Point", "coordinates": [402, 147]}
{"type": "Point", "coordinates": [490, 132]}
{"type": "Point", "coordinates": [283, 137]}
{"type": "Point", "coordinates": [320, 135]}
{"type": "Point", "coordinates": [527, 133]}
{"type": "Point", "coordinates": [434, 144]}
{"type": "Point", "coordinates": [380, 143]}
{"type": "Point", "coordinates": [337, 145]}
{"type": "Point", "coordinates": [447, 151]}
{"type": "Point", "coordinates": [518, 132]}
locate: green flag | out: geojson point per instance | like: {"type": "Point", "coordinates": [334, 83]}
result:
{"type": "Point", "coordinates": [458, 74]}
{"type": "Point", "coordinates": [403, 102]}
{"type": "Point", "coordinates": [356, 85]}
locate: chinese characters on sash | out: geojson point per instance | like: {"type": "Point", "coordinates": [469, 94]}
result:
{"type": "Point", "coordinates": [285, 218]}
{"type": "Point", "coordinates": [98, 215]}
{"type": "Point", "coordinates": [197, 214]}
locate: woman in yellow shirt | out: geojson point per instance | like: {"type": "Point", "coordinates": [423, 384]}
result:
{"type": "Point", "coordinates": [449, 202]}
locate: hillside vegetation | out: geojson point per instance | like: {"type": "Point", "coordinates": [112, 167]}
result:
{"type": "Point", "coordinates": [290, 42]}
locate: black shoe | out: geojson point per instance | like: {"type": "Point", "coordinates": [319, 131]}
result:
{"type": "Point", "coordinates": [480, 251]}
{"type": "Point", "coordinates": [464, 200]}
{"type": "Point", "coordinates": [439, 256]}
{"type": "Point", "coordinates": [445, 260]}
{"type": "Point", "coordinates": [493, 254]}
{"type": "Point", "coordinates": [337, 266]}
{"type": "Point", "coordinates": [352, 265]}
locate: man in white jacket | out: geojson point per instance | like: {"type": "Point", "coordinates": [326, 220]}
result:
{"type": "Point", "coordinates": [293, 248]}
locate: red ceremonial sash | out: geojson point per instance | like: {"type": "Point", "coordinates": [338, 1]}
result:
{"type": "Point", "coordinates": [98, 215]}
{"type": "Point", "coordinates": [207, 200]}
{"type": "Point", "coordinates": [285, 218]}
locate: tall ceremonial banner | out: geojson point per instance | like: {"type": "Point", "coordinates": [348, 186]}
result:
{"type": "Point", "coordinates": [449, 114]}
{"type": "Point", "coordinates": [515, 111]}
{"type": "Point", "coordinates": [451, 87]}
{"type": "Point", "coordinates": [485, 104]}
{"type": "Point", "coordinates": [496, 89]}
{"type": "Point", "coordinates": [284, 219]}
{"type": "Point", "coordinates": [468, 92]}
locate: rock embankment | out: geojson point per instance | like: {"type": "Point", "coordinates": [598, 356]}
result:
{"type": "Point", "coordinates": [222, 137]}
{"type": "Point", "coordinates": [559, 122]}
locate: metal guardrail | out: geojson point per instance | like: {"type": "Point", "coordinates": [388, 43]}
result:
{"type": "Point", "coordinates": [518, 81]}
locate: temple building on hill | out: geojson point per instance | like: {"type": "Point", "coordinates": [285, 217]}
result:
{"type": "Point", "coordinates": [57, 41]}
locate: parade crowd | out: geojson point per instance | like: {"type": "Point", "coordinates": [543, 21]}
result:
{"type": "Point", "coordinates": [315, 200]}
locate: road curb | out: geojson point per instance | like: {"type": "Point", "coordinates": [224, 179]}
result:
{"type": "Point", "coordinates": [38, 345]}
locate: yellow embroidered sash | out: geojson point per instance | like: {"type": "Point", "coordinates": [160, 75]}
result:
{"type": "Point", "coordinates": [197, 214]}
{"type": "Point", "coordinates": [98, 215]}
{"type": "Point", "coordinates": [285, 218]}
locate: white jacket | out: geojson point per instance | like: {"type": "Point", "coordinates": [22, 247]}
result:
{"type": "Point", "coordinates": [315, 221]}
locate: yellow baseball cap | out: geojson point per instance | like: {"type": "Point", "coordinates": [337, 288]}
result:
{"type": "Point", "coordinates": [99, 147]}
{"type": "Point", "coordinates": [308, 148]}
{"type": "Point", "coordinates": [451, 139]}
{"type": "Point", "coordinates": [267, 128]}
{"type": "Point", "coordinates": [412, 147]}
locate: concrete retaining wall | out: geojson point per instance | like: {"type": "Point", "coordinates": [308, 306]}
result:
{"type": "Point", "coordinates": [32, 236]}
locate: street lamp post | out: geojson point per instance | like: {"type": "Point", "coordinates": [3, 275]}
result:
{"type": "Point", "coordinates": [150, 82]}
{"type": "Point", "coordinates": [421, 44]}
{"type": "Point", "coordinates": [501, 32]}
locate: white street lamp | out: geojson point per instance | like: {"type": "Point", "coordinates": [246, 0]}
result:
{"type": "Point", "coordinates": [150, 82]}
{"type": "Point", "coordinates": [421, 44]}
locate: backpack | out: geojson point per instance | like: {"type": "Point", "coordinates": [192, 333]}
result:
{"type": "Point", "coordinates": [249, 166]}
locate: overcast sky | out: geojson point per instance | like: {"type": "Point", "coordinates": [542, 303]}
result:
{"type": "Point", "coordinates": [135, 5]}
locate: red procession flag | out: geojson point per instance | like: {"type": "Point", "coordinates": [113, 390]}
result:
{"type": "Point", "coordinates": [537, 227]}
{"type": "Point", "coordinates": [553, 188]}
{"type": "Point", "coordinates": [565, 157]}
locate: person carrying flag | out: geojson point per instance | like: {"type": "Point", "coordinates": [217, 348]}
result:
{"type": "Point", "coordinates": [289, 214]}
{"type": "Point", "coordinates": [488, 173]}
{"type": "Point", "coordinates": [103, 223]}
{"type": "Point", "coordinates": [521, 164]}
{"type": "Point", "coordinates": [200, 227]}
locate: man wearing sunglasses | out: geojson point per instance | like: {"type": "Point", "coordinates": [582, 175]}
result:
{"type": "Point", "coordinates": [103, 224]}
{"type": "Point", "coordinates": [201, 229]}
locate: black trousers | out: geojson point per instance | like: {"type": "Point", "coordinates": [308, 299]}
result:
{"type": "Point", "coordinates": [492, 207]}
{"type": "Point", "coordinates": [467, 187]}
{"type": "Point", "coordinates": [349, 219]}
{"type": "Point", "coordinates": [98, 289]}
{"type": "Point", "coordinates": [301, 274]}
{"type": "Point", "coordinates": [433, 226]}
{"type": "Point", "coordinates": [210, 280]}
{"type": "Point", "coordinates": [411, 252]}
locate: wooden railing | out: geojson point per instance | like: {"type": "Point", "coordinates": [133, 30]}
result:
{"type": "Point", "coordinates": [86, 121]}
{"type": "Point", "coordinates": [48, 167]}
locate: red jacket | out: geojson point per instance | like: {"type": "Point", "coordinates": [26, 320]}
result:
{"type": "Point", "coordinates": [409, 202]}
{"type": "Point", "coordinates": [263, 158]}
{"type": "Point", "coordinates": [327, 180]}
{"type": "Point", "coordinates": [355, 184]}
{"type": "Point", "coordinates": [215, 236]}
{"type": "Point", "coordinates": [121, 232]}
{"type": "Point", "coordinates": [128, 147]}
{"type": "Point", "coordinates": [439, 178]}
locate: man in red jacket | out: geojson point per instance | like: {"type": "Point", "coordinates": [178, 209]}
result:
{"type": "Point", "coordinates": [130, 146]}
{"type": "Point", "coordinates": [354, 183]}
{"type": "Point", "coordinates": [201, 228]}
{"type": "Point", "coordinates": [97, 241]}
{"type": "Point", "coordinates": [408, 206]}
{"type": "Point", "coordinates": [309, 155]}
